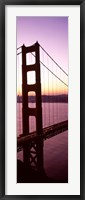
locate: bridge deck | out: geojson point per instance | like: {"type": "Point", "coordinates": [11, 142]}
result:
{"type": "Point", "coordinates": [48, 132]}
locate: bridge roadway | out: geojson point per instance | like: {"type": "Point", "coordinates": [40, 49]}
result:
{"type": "Point", "coordinates": [48, 132]}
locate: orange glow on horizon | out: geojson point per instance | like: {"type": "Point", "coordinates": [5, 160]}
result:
{"type": "Point", "coordinates": [45, 91]}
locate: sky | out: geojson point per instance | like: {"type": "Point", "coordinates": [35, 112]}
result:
{"type": "Point", "coordinates": [52, 35]}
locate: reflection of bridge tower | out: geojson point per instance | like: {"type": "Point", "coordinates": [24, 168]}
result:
{"type": "Point", "coordinates": [32, 151]}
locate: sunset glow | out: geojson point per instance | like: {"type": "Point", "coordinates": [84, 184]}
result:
{"type": "Point", "coordinates": [52, 34]}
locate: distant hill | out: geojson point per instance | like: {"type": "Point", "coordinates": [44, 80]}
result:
{"type": "Point", "coordinates": [63, 98]}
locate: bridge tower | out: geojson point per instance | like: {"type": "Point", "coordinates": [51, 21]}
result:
{"type": "Point", "coordinates": [32, 152]}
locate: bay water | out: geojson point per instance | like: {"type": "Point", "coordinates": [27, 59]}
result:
{"type": "Point", "coordinates": [56, 148]}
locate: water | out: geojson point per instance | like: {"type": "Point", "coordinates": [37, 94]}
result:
{"type": "Point", "coordinates": [55, 148]}
{"type": "Point", "coordinates": [52, 113]}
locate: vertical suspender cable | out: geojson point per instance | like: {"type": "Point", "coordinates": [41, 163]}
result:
{"type": "Point", "coordinates": [52, 101]}
{"type": "Point", "coordinates": [48, 93]}
{"type": "Point", "coordinates": [43, 89]}
{"type": "Point", "coordinates": [19, 97]}
{"type": "Point", "coordinates": [57, 93]}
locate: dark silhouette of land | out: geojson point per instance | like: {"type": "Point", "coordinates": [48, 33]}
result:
{"type": "Point", "coordinates": [63, 98]}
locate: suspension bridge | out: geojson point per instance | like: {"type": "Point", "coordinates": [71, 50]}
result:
{"type": "Point", "coordinates": [40, 78]}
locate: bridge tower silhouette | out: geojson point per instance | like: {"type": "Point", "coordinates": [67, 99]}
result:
{"type": "Point", "coordinates": [32, 151]}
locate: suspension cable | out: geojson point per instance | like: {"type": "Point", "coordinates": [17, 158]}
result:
{"type": "Point", "coordinates": [46, 66]}
{"type": "Point", "coordinates": [53, 59]}
{"type": "Point", "coordinates": [50, 71]}
{"type": "Point", "coordinates": [19, 53]}
{"type": "Point", "coordinates": [19, 47]}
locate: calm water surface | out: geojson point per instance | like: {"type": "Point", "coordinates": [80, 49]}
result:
{"type": "Point", "coordinates": [55, 148]}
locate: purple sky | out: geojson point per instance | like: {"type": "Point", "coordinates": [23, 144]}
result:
{"type": "Point", "coordinates": [50, 32]}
